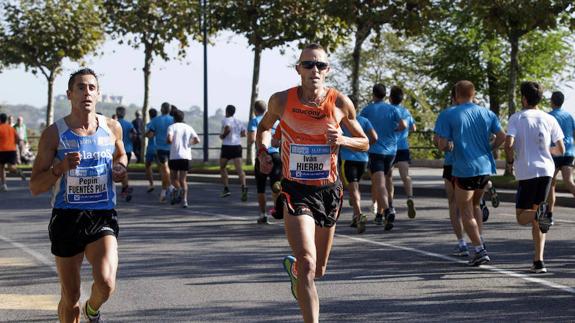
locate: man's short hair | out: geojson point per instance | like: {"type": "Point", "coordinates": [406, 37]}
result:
{"type": "Point", "coordinates": [165, 108]}
{"type": "Point", "coordinates": [173, 109]}
{"type": "Point", "coordinates": [557, 98]}
{"type": "Point", "coordinates": [120, 112]}
{"type": "Point", "coordinates": [379, 91]}
{"type": "Point", "coordinates": [178, 116]}
{"type": "Point", "coordinates": [83, 71]}
{"type": "Point", "coordinates": [138, 113]}
{"type": "Point", "coordinates": [260, 106]}
{"type": "Point", "coordinates": [152, 113]}
{"type": "Point", "coordinates": [3, 118]}
{"type": "Point", "coordinates": [311, 46]}
{"type": "Point", "coordinates": [532, 92]}
{"type": "Point", "coordinates": [230, 110]}
{"type": "Point", "coordinates": [464, 89]}
{"type": "Point", "coordinates": [395, 95]}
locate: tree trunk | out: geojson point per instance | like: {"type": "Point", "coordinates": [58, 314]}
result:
{"type": "Point", "coordinates": [254, 96]}
{"type": "Point", "coordinates": [50, 106]}
{"type": "Point", "coordinates": [147, 72]}
{"type": "Point", "coordinates": [360, 36]}
{"type": "Point", "coordinates": [513, 70]}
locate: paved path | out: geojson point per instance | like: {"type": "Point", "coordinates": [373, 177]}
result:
{"type": "Point", "coordinates": [212, 263]}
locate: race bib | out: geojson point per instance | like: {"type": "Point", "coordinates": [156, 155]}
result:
{"type": "Point", "coordinates": [309, 162]}
{"type": "Point", "coordinates": [87, 184]}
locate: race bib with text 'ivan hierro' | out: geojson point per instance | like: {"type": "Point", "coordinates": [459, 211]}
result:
{"type": "Point", "coordinates": [309, 161]}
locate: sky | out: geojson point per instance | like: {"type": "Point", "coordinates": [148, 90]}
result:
{"type": "Point", "coordinates": [179, 81]}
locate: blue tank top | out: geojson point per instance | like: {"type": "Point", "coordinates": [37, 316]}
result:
{"type": "Point", "coordinates": [90, 185]}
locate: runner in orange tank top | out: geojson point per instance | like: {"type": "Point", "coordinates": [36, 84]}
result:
{"type": "Point", "coordinates": [311, 195]}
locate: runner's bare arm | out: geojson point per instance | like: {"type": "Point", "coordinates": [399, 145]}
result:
{"type": "Point", "coordinates": [275, 110]}
{"type": "Point", "coordinates": [509, 151]}
{"type": "Point", "coordinates": [44, 172]}
{"type": "Point", "coordinates": [499, 139]}
{"type": "Point", "coordinates": [558, 149]}
{"type": "Point", "coordinates": [359, 140]}
{"type": "Point", "coordinates": [120, 157]}
{"type": "Point", "coordinates": [225, 132]}
{"type": "Point", "coordinates": [372, 136]}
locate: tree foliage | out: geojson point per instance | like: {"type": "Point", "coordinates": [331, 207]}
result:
{"type": "Point", "coordinates": [41, 34]}
{"type": "Point", "coordinates": [152, 25]}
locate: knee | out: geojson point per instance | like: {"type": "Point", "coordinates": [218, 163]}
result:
{"type": "Point", "coordinates": [307, 267]}
{"type": "Point", "coordinates": [106, 285]}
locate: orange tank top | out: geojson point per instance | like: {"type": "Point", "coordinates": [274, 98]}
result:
{"type": "Point", "coordinates": [306, 156]}
{"type": "Point", "coordinates": [7, 137]}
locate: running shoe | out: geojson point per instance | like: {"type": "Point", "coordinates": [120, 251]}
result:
{"type": "Point", "coordinates": [150, 189]}
{"type": "Point", "coordinates": [21, 173]}
{"type": "Point", "coordinates": [225, 192]}
{"type": "Point", "coordinates": [244, 194]}
{"type": "Point", "coordinates": [410, 208]}
{"type": "Point", "coordinates": [289, 263]}
{"type": "Point", "coordinates": [460, 251]}
{"type": "Point", "coordinates": [4, 188]}
{"type": "Point", "coordinates": [185, 205]}
{"type": "Point", "coordinates": [538, 267]}
{"type": "Point", "coordinates": [479, 258]}
{"type": "Point", "coordinates": [263, 220]}
{"type": "Point", "coordinates": [378, 219]}
{"type": "Point", "coordinates": [353, 222]}
{"type": "Point", "coordinates": [89, 318]}
{"type": "Point", "coordinates": [484, 210]}
{"type": "Point", "coordinates": [542, 216]}
{"type": "Point", "coordinates": [389, 219]}
{"type": "Point", "coordinates": [361, 224]}
{"type": "Point", "coordinates": [494, 197]}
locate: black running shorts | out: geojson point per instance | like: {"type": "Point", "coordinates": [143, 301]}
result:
{"type": "Point", "coordinates": [353, 170]}
{"type": "Point", "coordinates": [402, 155]}
{"type": "Point", "coordinates": [471, 183]}
{"type": "Point", "coordinates": [179, 164]}
{"type": "Point", "coordinates": [532, 192]}
{"type": "Point", "coordinates": [447, 170]}
{"type": "Point", "coordinates": [231, 152]}
{"type": "Point", "coordinates": [322, 203]}
{"type": "Point", "coordinates": [380, 163]}
{"type": "Point", "coordinates": [163, 155]}
{"type": "Point", "coordinates": [8, 157]}
{"type": "Point", "coordinates": [71, 230]}
{"type": "Point", "coordinates": [561, 161]}
{"type": "Point", "coordinates": [275, 175]}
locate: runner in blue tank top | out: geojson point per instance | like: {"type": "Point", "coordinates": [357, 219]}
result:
{"type": "Point", "coordinates": [158, 130]}
{"type": "Point", "coordinates": [563, 163]}
{"type": "Point", "coordinates": [128, 134]}
{"type": "Point", "coordinates": [79, 158]}
{"type": "Point", "coordinates": [469, 127]}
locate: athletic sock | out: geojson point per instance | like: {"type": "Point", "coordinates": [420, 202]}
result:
{"type": "Point", "coordinates": [90, 311]}
{"type": "Point", "coordinates": [462, 243]}
{"type": "Point", "coordinates": [478, 248]}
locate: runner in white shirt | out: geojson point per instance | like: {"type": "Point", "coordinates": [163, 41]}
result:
{"type": "Point", "coordinates": [181, 137]}
{"type": "Point", "coordinates": [232, 131]}
{"type": "Point", "coordinates": [527, 147]}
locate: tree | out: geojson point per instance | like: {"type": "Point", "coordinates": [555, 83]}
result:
{"type": "Point", "coordinates": [364, 17]}
{"type": "Point", "coordinates": [153, 25]}
{"type": "Point", "coordinates": [513, 19]}
{"type": "Point", "coordinates": [268, 24]}
{"type": "Point", "coordinates": [41, 34]}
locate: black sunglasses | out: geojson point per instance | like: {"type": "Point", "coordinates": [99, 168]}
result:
{"type": "Point", "coordinates": [308, 65]}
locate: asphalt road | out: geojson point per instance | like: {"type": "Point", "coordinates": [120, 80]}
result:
{"type": "Point", "coordinates": [213, 263]}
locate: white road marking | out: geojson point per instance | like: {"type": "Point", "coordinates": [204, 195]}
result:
{"type": "Point", "coordinates": [528, 278]}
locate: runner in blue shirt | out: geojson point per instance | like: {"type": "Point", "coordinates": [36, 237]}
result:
{"type": "Point", "coordinates": [402, 157]}
{"type": "Point", "coordinates": [150, 152]}
{"type": "Point", "coordinates": [275, 175]}
{"type": "Point", "coordinates": [353, 165]}
{"type": "Point", "coordinates": [158, 130]}
{"type": "Point", "coordinates": [386, 121]}
{"type": "Point", "coordinates": [563, 163]}
{"type": "Point", "coordinates": [469, 127]}
{"type": "Point", "coordinates": [128, 134]}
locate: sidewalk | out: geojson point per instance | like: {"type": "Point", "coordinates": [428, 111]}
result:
{"type": "Point", "coordinates": [427, 182]}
